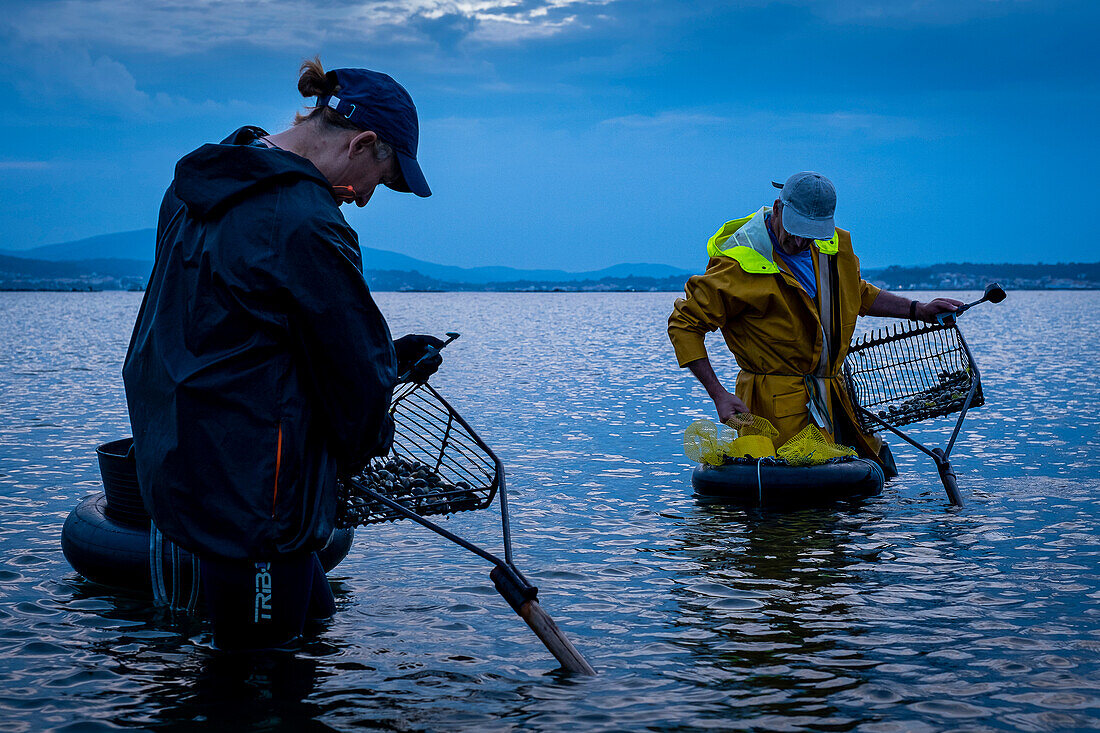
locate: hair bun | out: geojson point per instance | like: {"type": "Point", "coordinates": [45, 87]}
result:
{"type": "Point", "coordinates": [313, 81]}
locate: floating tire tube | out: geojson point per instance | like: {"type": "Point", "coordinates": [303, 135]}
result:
{"type": "Point", "coordinates": [763, 483]}
{"type": "Point", "coordinates": [116, 554]}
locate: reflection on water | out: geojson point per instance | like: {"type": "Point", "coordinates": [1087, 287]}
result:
{"type": "Point", "coordinates": [898, 613]}
{"type": "Point", "coordinates": [758, 588]}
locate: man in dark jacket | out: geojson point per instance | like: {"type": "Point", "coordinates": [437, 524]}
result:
{"type": "Point", "coordinates": [259, 366]}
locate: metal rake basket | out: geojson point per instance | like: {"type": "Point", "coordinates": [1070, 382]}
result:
{"type": "Point", "coordinates": [452, 470]}
{"type": "Point", "coordinates": [438, 465]}
{"type": "Point", "coordinates": [911, 372]}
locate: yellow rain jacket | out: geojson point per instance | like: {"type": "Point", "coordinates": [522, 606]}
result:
{"type": "Point", "coordinates": [773, 327]}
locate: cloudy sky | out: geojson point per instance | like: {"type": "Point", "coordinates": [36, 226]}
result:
{"type": "Point", "coordinates": [583, 133]}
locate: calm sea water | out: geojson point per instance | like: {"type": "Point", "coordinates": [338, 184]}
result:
{"type": "Point", "coordinates": [900, 614]}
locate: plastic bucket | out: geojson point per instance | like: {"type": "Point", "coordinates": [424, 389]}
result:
{"type": "Point", "coordinates": [119, 472]}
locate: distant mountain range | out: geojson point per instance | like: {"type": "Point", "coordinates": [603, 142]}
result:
{"type": "Point", "coordinates": [139, 246]}
{"type": "Point", "coordinates": [123, 261]}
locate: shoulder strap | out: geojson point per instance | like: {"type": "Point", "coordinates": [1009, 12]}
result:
{"type": "Point", "coordinates": [817, 385]}
{"type": "Point", "coordinates": [826, 298]}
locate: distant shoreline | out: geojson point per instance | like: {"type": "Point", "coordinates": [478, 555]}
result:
{"type": "Point", "coordinates": [121, 262]}
{"type": "Point", "coordinates": [114, 274]}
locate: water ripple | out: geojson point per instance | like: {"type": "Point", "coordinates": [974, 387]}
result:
{"type": "Point", "coordinates": [897, 614]}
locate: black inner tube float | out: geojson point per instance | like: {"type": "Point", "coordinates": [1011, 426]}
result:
{"type": "Point", "coordinates": [106, 537]}
{"type": "Point", "coordinates": [764, 482]}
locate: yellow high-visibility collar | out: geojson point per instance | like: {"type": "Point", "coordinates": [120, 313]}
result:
{"type": "Point", "coordinates": [752, 246]}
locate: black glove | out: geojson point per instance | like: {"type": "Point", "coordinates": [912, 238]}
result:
{"type": "Point", "coordinates": [419, 355]}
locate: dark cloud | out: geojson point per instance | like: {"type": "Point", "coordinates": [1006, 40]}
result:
{"type": "Point", "coordinates": [638, 122]}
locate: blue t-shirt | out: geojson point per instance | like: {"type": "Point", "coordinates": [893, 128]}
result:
{"type": "Point", "coordinates": [801, 264]}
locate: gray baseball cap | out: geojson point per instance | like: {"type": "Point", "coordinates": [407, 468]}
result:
{"type": "Point", "coordinates": [809, 201]}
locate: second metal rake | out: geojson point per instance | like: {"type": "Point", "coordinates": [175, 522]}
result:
{"type": "Point", "coordinates": [912, 372]}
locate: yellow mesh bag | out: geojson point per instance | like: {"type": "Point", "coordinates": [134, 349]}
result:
{"type": "Point", "coordinates": [751, 446]}
{"type": "Point", "coordinates": [746, 423]}
{"type": "Point", "coordinates": [811, 448]}
{"type": "Point", "coordinates": [705, 442]}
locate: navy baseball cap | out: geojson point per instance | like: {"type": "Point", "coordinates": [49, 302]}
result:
{"type": "Point", "coordinates": [809, 201]}
{"type": "Point", "coordinates": [371, 100]}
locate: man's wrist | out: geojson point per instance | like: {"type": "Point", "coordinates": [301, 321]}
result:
{"type": "Point", "coordinates": [721, 394]}
{"type": "Point", "coordinates": [913, 310]}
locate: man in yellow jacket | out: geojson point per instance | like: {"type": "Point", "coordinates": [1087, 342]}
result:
{"type": "Point", "coordinates": [783, 287]}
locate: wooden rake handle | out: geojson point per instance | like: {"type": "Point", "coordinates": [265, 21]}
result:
{"type": "Point", "coordinates": [554, 639]}
{"type": "Point", "coordinates": [523, 598]}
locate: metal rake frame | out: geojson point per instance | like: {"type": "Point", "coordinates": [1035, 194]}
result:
{"type": "Point", "coordinates": [902, 367]}
{"type": "Point", "coordinates": [431, 432]}
{"type": "Point", "coordinates": [413, 401]}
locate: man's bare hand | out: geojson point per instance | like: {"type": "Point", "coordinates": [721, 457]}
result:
{"type": "Point", "coordinates": [927, 312]}
{"type": "Point", "coordinates": [728, 405]}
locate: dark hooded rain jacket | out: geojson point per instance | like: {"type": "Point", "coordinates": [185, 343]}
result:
{"type": "Point", "coordinates": [259, 363]}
